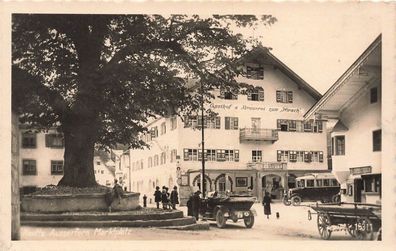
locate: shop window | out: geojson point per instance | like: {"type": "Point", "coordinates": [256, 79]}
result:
{"type": "Point", "coordinates": [372, 183]}
{"type": "Point", "coordinates": [56, 167]}
{"type": "Point", "coordinates": [29, 140]}
{"type": "Point", "coordinates": [373, 95]}
{"type": "Point", "coordinates": [29, 167]}
{"type": "Point", "coordinates": [241, 181]}
{"type": "Point", "coordinates": [377, 140]}
{"type": "Point", "coordinates": [54, 140]}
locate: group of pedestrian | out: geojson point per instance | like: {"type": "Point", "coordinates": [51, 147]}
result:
{"type": "Point", "coordinates": [168, 200]}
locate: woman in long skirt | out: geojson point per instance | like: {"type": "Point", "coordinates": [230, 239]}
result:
{"type": "Point", "coordinates": [267, 204]}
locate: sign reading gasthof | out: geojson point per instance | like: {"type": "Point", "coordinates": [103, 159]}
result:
{"type": "Point", "coordinates": [360, 170]}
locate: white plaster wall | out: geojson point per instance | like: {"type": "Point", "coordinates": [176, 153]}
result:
{"type": "Point", "coordinates": [361, 118]}
{"type": "Point", "coordinates": [43, 156]}
{"type": "Point", "coordinates": [107, 175]}
{"type": "Point", "coordinates": [229, 139]}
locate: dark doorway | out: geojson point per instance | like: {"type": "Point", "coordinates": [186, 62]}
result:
{"type": "Point", "coordinates": [358, 186]}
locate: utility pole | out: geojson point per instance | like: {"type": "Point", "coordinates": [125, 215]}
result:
{"type": "Point", "coordinates": [203, 187]}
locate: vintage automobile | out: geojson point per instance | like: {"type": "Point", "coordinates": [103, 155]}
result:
{"type": "Point", "coordinates": [234, 207]}
{"type": "Point", "coordinates": [313, 187]}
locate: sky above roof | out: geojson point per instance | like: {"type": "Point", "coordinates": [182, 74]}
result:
{"type": "Point", "coordinates": [320, 41]}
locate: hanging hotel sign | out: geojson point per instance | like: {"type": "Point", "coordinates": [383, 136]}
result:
{"type": "Point", "coordinates": [360, 170]}
{"type": "Point", "coordinates": [256, 108]}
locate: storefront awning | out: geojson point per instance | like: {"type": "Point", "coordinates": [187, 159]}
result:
{"type": "Point", "coordinates": [341, 176]}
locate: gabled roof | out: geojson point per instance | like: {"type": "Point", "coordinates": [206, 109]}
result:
{"type": "Point", "coordinates": [262, 55]}
{"type": "Point", "coordinates": [342, 92]}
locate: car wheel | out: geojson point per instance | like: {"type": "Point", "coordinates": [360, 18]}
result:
{"type": "Point", "coordinates": [249, 221]}
{"type": "Point", "coordinates": [296, 200]}
{"type": "Point", "coordinates": [220, 219]}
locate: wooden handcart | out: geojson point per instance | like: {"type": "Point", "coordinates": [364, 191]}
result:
{"type": "Point", "coordinates": [361, 221]}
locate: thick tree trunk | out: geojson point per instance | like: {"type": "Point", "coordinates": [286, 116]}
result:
{"type": "Point", "coordinates": [79, 154]}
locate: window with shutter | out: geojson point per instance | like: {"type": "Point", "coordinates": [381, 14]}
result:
{"type": "Point", "coordinates": [222, 93]}
{"type": "Point", "coordinates": [29, 140]}
{"type": "Point", "coordinates": [278, 97]}
{"type": "Point", "coordinates": [236, 155]}
{"type": "Point", "coordinates": [261, 95]}
{"type": "Point", "coordinates": [249, 95]}
{"type": "Point", "coordinates": [217, 122]}
{"type": "Point", "coordinates": [292, 125]}
{"type": "Point", "coordinates": [320, 126]}
{"type": "Point", "coordinates": [290, 97]}
{"type": "Point", "coordinates": [186, 155]}
{"type": "Point", "coordinates": [227, 123]}
{"type": "Point", "coordinates": [320, 156]}
{"type": "Point", "coordinates": [279, 156]}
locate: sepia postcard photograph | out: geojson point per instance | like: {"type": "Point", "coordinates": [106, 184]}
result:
{"type": "Point", "coordinates": [222, 125]}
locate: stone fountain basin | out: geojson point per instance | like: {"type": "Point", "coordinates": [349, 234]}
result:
{"type": "Point", "coordinates": [77, 203]}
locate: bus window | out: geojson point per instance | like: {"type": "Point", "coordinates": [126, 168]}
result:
{"type": "Point", "coordinates": [334, 183]}
{"type": "Point", "coordinates": [300, 183]}
{"type": "Point", "coordinates": [326, 182]}
{"type": "Point", "coordinates": [319, 183]}
{"type": "Point", "coordinates": [310, 183]}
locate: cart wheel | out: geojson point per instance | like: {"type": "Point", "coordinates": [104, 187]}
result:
{"type": "Point", "coordinates": [220, 219]}
{"type": "Point", "coordinates": [351, 229]}
{"type": "Point", "coordinates": [249, 221]}
{"type": "Point", "coordinates": [324, 225]}
{"type": "Point", "coordinates": [364, 229]}
{"type": "Point", "coordinates": [296, 200]}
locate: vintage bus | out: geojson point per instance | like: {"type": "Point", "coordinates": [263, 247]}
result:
{"type": "Point", "coordinates": [321, 187]}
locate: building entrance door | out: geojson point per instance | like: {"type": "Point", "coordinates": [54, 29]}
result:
{"type": "Point", "coordinates": [256, 124]}
{"type": "Point", "coordinates": [272, 184]}
{"type": "Point", "coordinates": [358, 186]}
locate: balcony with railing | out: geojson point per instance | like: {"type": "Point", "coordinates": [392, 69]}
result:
{"type": "Point", "coordinates": [267, 165]}
{"type": "Point", "coordinates": [255, 134]}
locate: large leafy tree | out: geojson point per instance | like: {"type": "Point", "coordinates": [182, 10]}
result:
{"type": "Point", "coordinates": [98, 78]}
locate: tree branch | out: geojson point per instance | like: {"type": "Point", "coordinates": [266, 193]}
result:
{"type": "Point", "coordinates": [24, 82]}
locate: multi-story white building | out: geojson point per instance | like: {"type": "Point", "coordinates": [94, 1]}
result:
{"type": "Point", "coordinates": [258, 142]}
{"type": "Point", "coordinates": [354, 101]}
{"type": "Point", "coordinates": [41, 161]}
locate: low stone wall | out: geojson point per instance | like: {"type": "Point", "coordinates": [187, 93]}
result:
{"type": "Point", "coordinates": [77, 203]}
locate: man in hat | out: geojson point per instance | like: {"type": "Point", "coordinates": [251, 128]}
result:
{"type": "Point", "coordinates": [196, 204]}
